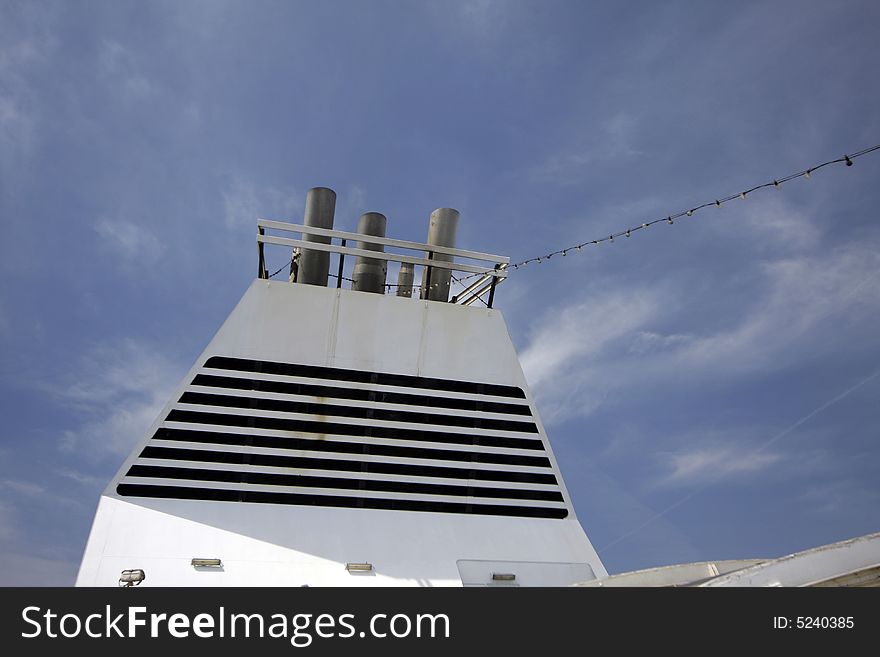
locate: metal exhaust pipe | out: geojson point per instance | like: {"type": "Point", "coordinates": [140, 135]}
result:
{"type": "Point", "coordinates": [441, 232]}
{"type": "Point", "coordinates": [405, 279]}
{"type": "Point", "coordinates": [369, 273]}
{"type": "Point", "coordinates": [313, 267]}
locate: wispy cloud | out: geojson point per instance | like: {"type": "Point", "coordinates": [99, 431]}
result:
{"type": "Point", "coordinates": [135, 245]}
{"type": "Point", "coordinates": [582, 352]}
{"type": "Point", "coordinates": [778, 224]}
{"type": "Point", "coordinates": [350, 205]}
{"type": "Point", "coordinates": [244, 202]}
{"type": "Point", "coordinates": [22, 487]}
{"type": "Point", "coordinates": [80, 477]}
{"type": "Point", "coordinates": [715, 463]}
{"type": "Point", "coordinates": [120, 67]}
{"type": "Point", "coordinates": [582, 331]}
{"type": "Point", "coordinates": [648, 342]}
{"type": "Point", "coordinates": [616, 140]}
{"type": "Point", "coordinates": [840, 497]}
{"type": "Point", "coordinates": [795, 295]}
{"type": "Point", "coordinates": [560, 361]}
{"type": "Point", "coordinates": [483, 18]}
{"type": "Point", "coordinates": [117, 394]}
{"type": "Point", "coordinates": [21, 53]}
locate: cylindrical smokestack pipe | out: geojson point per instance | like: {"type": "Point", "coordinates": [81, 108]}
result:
{"type": "Point", "coordinates": [441, 232]}
{"type": "Point", "coordinates": [405, 279]}
{"type": "Point", "coordinates": [369, 273]}
{"type": "Point", "coordinates": [314, 266]}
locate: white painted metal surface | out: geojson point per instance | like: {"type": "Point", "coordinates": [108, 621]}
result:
{"type": "Point", "coordinates": [676, 575]}
{"type": "Point", "coordinates": [810, 567]}
{"type": "Point", "coordinates": [290, 544]}
{"type": "Point", "coordinates": [853, 562]}
{"type": "Point", "coordinates": [522, 573]}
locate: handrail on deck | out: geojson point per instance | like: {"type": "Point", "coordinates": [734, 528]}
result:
{"type": "Point", "coordinates": [487, 276]}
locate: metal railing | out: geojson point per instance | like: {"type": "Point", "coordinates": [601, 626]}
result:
{"type": "Point", "coordinates": [486, 276]}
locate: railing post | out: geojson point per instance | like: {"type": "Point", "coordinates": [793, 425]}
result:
{"type": "Point", "coordinates": [492, 289]}
{"type": "Point", "coordinates": [262, 273]}
{"type": "Point", "coordinates": [428, 275]}
{"type": "Point", "coordinates": [339, 272]}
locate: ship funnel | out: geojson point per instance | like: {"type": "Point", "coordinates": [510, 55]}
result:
{"type": "Point", "coordinates": [441, 232]}
{"type": "Point", "coordinates": [312, 267]}
{"type": "Point", "coordinates": [405, 280]}
{"type": "Point", "coordinates": [369, 273]}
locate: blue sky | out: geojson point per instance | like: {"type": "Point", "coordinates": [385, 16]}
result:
{"type": "Point", "coordinates": [709, 387]}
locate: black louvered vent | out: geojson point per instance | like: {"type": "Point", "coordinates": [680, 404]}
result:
{"type": "Point", "coordinates": [280, 433]}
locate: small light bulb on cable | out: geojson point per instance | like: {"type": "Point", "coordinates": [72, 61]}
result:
{"type": "Point", "coordinates": [644, 225]}
{"type": "Point", "coordinates": [742, 195]}
{"type": "Point", "coordinates": [808, 173]}
{"type": "Point", "coordinates": [627, 232]}
{"type": "Point", "coordinates": [579, 247]}
{"type": "Point", "coordinates": [669, 220]}
{"type": "Point", "coordinates": [717, 203]}
{"type": "Point", "coordinates": [690, 213]}
{"type": "Point", "coordinates": [847, 160]}
{"type": "Point", "coordinates": [776, 184]}
{"type": "Point", "coordinates": [611, 237]}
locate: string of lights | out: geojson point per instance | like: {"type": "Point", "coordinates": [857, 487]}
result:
{"type": "Point", "coordinates": [388, 286]}
{"type": "Point", "coordinates": [670, 218]}
{"type": "Point", "coordinates": [279, 270]}
{"type": "Point", "coordinates": [286, 265]}
{"type": "Point", "coordinates": [776, 183]}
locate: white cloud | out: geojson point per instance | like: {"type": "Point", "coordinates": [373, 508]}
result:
{"type": "Point", "coordinates": [582, 331]}
{"type": "Point", "coordinates": [705, 464]}
{"type": "Point", "coordinates": [80, 477]}
{"type": "Point", "coordinates": [244, 202]}
{"type": "Point", "coordinates": [119, 392]}
{"type": "Point", "coordinates": [561, 360]}
{"type": "Point", "coordinates": [22, 487]}
{"type": "Point", "coordinates": [483, 18]}
{"type": "Point", "coordinates": [350, 205]}
{"type": "Point", "coordinates": [583, 353]}
{"type": "Point", "coordinates": [647, 342]}
{"type": "Point", "coordinates": [19, 134]}
{"type": "Point", "coordinates": [840, 497]}
{"type": "Point", "coordinates": [120, 67]}
{"type": "Point", "coordinates": [779, 224]}
{"type": "Point", "coordinates": [797, 295]}
{"type": "Point", "coordinates": [134, 244]}
{"type": "Point", "coordinates": [12, 120]}
{"type": "Point", "coordinates": [615, 140]}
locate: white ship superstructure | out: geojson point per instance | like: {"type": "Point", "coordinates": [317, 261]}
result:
{"type": "Point", "coordinates": [357, 436]}
{"type": "Point", "coordinates": [347, 437]}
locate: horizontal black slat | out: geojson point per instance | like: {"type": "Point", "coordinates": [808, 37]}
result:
{"type": "Point", "coordinates": [263, 497]}
{"type": "Point", "coordinates": [360, 376]}
{"type": "Point", "coordinates": [360, 412]}
{"type": "Point", "coordinates": [311, 462]}
{"type": "Point", "coordinates": [360, 394]}
{"type": "Point", "coordinates": [312, 481]}
{"type": "Point", "coordinates": [338, 429]}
